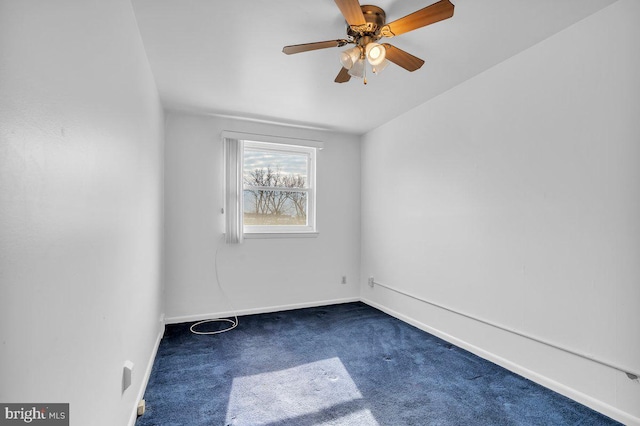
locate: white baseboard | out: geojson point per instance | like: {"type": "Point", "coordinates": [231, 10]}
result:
{"type": "Point", "coordinates": [145, 379]}
{"type": "Point", "coordinates": [574, 394]}
{"type": "Point", "coordinates": [260, 310]}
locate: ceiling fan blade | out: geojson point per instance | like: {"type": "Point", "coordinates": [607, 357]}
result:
{"type": "Point", "coordinates": [351, 11]}
{"type": "Point", "coordinates": [402, 58]}
{"type": "Point", "coordinates": [343, 76]}
{"type": "Point", "coordinates": [423, 17]}
{"type": "Point", "coordinates": [298, 48]}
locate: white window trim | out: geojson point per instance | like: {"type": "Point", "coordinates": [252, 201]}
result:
{"type": "Point", "coordinates": [297, 234]}
{"type": "Point", "coordinates": [310, 190]}
{"type": "Point", "coordinates": [292, 145]}
{"type": "Point", "coordinates": [279, 140]}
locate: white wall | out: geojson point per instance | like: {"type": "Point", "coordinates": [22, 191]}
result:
{"type": "Point", "coordinates": [515, 197]}
{"type": "Point", "coordinates": [260, 274]}
{"type": "Point", "coordinates": [81, 132]}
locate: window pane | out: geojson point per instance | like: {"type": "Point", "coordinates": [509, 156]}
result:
{"type": "Point", "coordinates": [279, 208]}
{"type": "Point", "coordinates": [277, 169]}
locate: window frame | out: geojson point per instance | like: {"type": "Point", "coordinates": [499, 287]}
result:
{"type": "Point", "coordinates": [275, 231]}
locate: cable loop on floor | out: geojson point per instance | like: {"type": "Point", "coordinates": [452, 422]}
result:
{"type": "Point", "coordinates": [234, 324]}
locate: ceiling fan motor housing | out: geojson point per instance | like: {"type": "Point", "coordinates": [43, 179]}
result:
{"type": "Point", "coordinates": [375, 19]}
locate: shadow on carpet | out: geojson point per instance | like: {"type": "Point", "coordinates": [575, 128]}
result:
{"type": "Point", "coordinates": [347, 364]}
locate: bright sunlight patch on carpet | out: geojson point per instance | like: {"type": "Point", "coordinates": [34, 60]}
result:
{"type": "Point", "coordinates": [300, 392]}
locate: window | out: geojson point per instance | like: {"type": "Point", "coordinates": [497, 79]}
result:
{"type": "Point", "coordinates": [270, 188]}
{"type": "Point", "coordinates": [278, 188]}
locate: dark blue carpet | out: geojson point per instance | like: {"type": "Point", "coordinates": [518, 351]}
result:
{"type": "Point", "coordinates": [347, 364]}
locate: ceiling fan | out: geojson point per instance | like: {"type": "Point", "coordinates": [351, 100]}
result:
{"type": "Point", "coordinates": [366, 25]}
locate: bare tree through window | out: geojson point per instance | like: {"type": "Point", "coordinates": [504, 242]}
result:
{"type": "Point", "coordinates": [274, 198]}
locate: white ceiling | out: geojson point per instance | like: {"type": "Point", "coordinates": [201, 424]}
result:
{"type": "Point", "coordinates": [225, 57]}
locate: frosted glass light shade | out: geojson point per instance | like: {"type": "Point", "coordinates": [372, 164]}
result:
{"type": "Point", "coordinates": [376, 53]}
{"type": "Point", "coordinates": [357, 70]}
{"type": "Point", "coordinates": [349, 57]}
{"type": "Point", "coordinates": [378, 68]}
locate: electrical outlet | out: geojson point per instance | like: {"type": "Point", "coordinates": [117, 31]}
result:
{"type": "Point", "coordinates": [370, 282]}
{"type": "Point", "coordinates": [344, 279]}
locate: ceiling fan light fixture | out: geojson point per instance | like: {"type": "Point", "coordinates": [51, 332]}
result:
{"type": "Point", "coordinates": [357, 70]}
{"type": "Point", "coordinates": [366, 24]}
{"type": "Point", "coordinates": [350, 57]}
{"type": "Point", "coordinates": [376, 53]}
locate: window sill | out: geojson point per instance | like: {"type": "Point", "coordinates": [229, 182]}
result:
{"type": "Point", "coordinates": [258, 235]}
